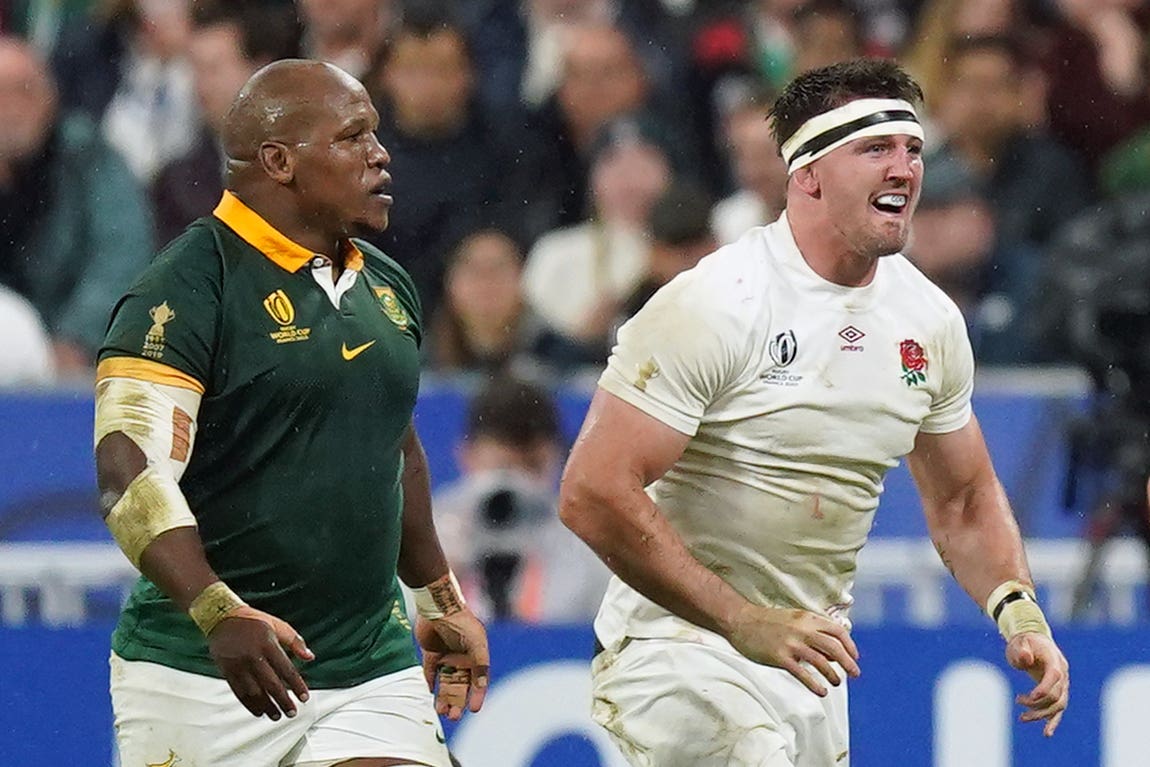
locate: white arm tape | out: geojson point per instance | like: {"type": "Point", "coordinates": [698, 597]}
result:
{"type": "Point", "coordinates": [440, 598]}
{"type": "Point", "coordinates": [152, 504]}
{"type": "Point", "coordinates": [160, 419]}
{"type": "Point", "coordinates": [1014, 607]}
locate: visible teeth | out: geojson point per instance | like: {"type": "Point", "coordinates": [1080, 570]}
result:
{"type": "Point", "coordinates": [894, 200]}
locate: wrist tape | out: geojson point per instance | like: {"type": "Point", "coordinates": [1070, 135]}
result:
{"type": "Point", "coordinates": [212, 605]}
{"type": "Point", "coordinates": [1014, 608]}
{"type": "Point", "coordinates": [440, 598]}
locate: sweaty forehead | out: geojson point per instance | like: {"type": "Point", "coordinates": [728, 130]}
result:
{"type": "Point", "coordinates": [325, 101]}
{"type": "Point", "coordinates": [297, 102]}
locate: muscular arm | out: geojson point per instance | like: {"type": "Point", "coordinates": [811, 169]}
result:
{"type": "Point", "coordinates": [456, 663]}
{"type": "Point", "coordinates": [421, 558]}
{"type": "Point", "coordinates": [620, 451]}
{"type": "Point", "coordinates": [137, 484]}
{"type": "Point", "coordinates": [972, 527]}
{"type": "Point", "coordinates": [175, 560]}
{"type": "Point", "coordinates": [967, 512]}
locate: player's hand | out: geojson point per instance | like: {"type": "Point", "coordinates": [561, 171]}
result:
{"type": "Point", "coordinates": [249, 648]}
{"type": "Point", "coordinates": [456, 662]}
{"type": "Point", "coordinates": [788, 639]}
{"type": "Point", "coordinates": [1039, 656]}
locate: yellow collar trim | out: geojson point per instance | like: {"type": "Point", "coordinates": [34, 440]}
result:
{"type": "Point", "coordinates": [281, 250]}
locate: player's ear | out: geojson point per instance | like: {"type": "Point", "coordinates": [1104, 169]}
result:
{"type": "Point", "coordinates": [806, 179]}
{"type": "Point", "coordinates": [278, 161]}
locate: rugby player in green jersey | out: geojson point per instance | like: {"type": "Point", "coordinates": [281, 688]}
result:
{"type": "Point", "coordinates": [257, 461]}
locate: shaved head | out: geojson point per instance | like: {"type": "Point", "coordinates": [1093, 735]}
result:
{"type": "Point", "coordinates": [284, 102]}
{"type": "Point", "coordinates": [302, 153]}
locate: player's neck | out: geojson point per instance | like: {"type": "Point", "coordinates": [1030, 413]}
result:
{"type": "Point", "coordinates": [829, 254]}
{"type": "Point", "coordinates": [297, 226]}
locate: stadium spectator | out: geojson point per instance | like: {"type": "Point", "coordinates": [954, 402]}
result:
{"type": "Point", "coordinates": [433, 131]}
{"type": "Point", "coordinates": [351, 34]}
{"type": "Point", "coordinates": [760, 174]}
{"type": "Point", "coordinates": [1033, 183]}
{"type": "Point", "coordinates": [938, 23]}
{"type": "Point", "coordinates": [954, 242]}
{"type": "Point", "coordinates": [27, 356]}
{"type": "Point", "coordinates": [229, 41]}
{"type": "Point", "coordinates": [498, 522]}
{"type": "Point", "coordinates": [1096, 62]}
{"type": "Point", "coordinates": [75, 227]}
{"type": "Point", "coordinates": [519, 47]}
{"type": "Point", "coordinates": [577, 277]}
{"type": "Point", "coordinates": [153, 116]}
{"type": "Point", "coordinates": [681, 235]}
{"type": "Point", "coordinates": [483, 323]}
{"type": "Point", "coordinates": [826, 32]}
{"type": "Point", "coordinates": [602, 78]}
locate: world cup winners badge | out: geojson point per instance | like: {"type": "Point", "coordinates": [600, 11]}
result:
{"type": "Point", "coordinates": [154, 339]}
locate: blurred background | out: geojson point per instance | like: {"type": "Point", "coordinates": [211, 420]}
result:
{"type": "Point", "coordinates": [555, 162]}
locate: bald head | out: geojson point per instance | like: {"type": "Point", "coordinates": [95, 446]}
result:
{"type": "Point", "coordinates": [284, 102]}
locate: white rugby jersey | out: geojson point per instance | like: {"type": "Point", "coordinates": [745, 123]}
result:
{"type": "Point", "coordinates": [799, 395]}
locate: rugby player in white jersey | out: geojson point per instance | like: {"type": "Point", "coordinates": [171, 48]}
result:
{"type": "Point", "coordinates": [731, 462]}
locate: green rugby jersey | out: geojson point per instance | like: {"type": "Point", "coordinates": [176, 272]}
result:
{"type": "Point", "coordinates": [294, 475]}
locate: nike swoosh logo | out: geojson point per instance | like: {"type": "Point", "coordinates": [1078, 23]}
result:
{"type": "Point", "coordinates": [350, 354]}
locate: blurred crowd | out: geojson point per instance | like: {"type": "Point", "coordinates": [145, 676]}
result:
{"type": "Point", "coordinates": [556, 161]}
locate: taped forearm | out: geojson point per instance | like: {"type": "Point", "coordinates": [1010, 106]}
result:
{"type": "Point", "coordinates": [160, 421]}
{"type": "Point", "coordinates": [151, 504]}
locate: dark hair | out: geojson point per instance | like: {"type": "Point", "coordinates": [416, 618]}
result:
{"type": "Point", "coordinates": [451, 347]}
{"type": "Point", "coordinates": [427, 18]}
{"type": "Point", "coordinates": [514, 411]}
{"type": "Point", "coordinates": [1010, 47]}
{"type": "Point", "coordinates": [681, 215]}
{"type": "Point", "coordinates": [821, 90]}
{"type": "Point", "coordinates": [268, 30]}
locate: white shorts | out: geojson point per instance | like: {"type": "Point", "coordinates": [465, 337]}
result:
{"type": "Point", "coordinates": [164, 716]}
{"type": "Point", "coordinates": [671, 703]}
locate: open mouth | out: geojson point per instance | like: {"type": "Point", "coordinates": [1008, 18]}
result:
{"type": "Point", "coordinates": [891, 203]}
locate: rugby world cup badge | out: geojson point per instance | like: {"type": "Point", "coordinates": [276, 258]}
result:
{"type": "Point", "coordinates": [783, 348]}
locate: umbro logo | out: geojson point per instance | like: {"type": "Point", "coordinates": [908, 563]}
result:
{"type": "Point", "coordinates": [852, 336]}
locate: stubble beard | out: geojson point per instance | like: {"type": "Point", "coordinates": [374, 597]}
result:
{"type": "Point", "coordinates": [883, 242]}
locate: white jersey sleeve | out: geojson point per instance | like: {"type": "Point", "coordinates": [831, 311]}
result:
{"type": "Point", "coordinates": [683, 348]}
{"type": "Point", "coordinates": [951, 410]}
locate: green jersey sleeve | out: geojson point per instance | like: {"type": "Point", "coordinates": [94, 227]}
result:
{"type": "Point", "coordinates": [171, 314]}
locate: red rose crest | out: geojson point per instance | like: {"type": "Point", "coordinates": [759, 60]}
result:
{"type": "Point", "coordinates": [913, 362]}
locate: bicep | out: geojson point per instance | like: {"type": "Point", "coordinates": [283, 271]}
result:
{"type": "Point", "coordinates": [620, 441]}
{"type": "Point", "coordinates": [946, 467]}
